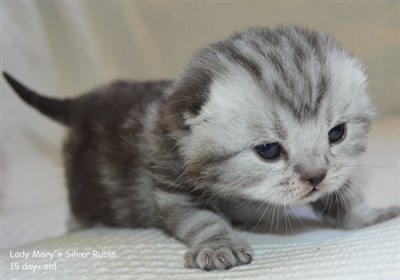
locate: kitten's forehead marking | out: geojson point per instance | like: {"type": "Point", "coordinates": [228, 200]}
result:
{"type": "Point", "coordinates": [233, 54]}
{"type": "Point", "coordinates": [280, 128]}
{"type": "Point", "coordinates": [291, 65]}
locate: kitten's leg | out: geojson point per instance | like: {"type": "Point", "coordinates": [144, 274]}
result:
{"type": "Point", "coordinates": [212, 242]}
{"type": "Point", "coordinates": [73, 224]}
{"type": "Point", "coordinates": [348, 210]}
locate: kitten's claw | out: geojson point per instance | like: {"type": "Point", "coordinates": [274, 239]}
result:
{"type": "Point", "coordinates": [218, 256]}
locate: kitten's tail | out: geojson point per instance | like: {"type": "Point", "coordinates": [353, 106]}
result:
{"type": "Point", "coordinates": [57, 109]}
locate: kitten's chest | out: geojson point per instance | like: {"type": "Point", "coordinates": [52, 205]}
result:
{"type": "Point", "coordinates": [248, 212]}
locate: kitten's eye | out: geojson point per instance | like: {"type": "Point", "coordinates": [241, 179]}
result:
{"type": "Point", "coordinates": [337, 133]}
{"type": "Point", "coordinates": [269, 151]}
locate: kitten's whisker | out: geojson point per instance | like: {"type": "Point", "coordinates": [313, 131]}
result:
{"type": "Point", "coordinates": [259, 207]}
{"type": "Point", "coordinates": [381, 115]}
{"type": "Point", "coordinates": [284, 216]}
{"type": "Point", "coordinates": [298, 218]}
{"type": "Point", "coordinates": [350, 191]}
{"type": "Point", "coordinates": [287, 219]}
{"type": "Point", "coordinates": [343, 200]}
{"type": "Point", "coordinates": [371, 166]}
{"type": "Point", "coordinates": [290, 224]}
{"type": "Point", "coordinates": [312, 214]}
{"type": "Point", "coordinates": [338, 210]}
{"type": "Point", "coordinates": [272, 220]}
{"type": "Point", "coordinates": [277, 220]}
{"type": "Point", "coordinates": [262, 216]}
{"type": "Point", "coordinates": [330, 203]}
{"type": "Point", "coordinates": [367, 185]}
{"type": "Point", "coordinates": [355, 185]}
{"type": "Point", "coordinates": [348, 207]}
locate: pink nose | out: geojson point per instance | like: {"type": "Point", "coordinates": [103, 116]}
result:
{"type": "Point", "coordinates": [314, 180]}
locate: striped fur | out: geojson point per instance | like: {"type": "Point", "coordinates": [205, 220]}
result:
{"type": "Point", "coordinates": [179, 154]}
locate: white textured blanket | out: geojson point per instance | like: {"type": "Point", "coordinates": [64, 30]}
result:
{"type": "Point", "coordinates": [370, 253]}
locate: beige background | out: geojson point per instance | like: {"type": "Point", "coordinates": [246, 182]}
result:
{"type": "Point", "coordinates": [63, 48]}
{"type": "Point", "coordinates": [72, 46]}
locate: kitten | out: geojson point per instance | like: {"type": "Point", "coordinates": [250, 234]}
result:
{"type": "Point", "coordinates": [275, 117]}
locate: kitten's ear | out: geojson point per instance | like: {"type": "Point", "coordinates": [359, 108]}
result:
{"type": "Point", "coordinates": [186, 98]}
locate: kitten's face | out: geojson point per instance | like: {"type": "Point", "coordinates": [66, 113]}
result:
{"type": "Point", "coordinates": [281, 123]}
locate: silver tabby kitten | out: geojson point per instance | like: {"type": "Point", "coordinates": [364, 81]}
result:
{"type": "Point", "coordinates": [275, 117]}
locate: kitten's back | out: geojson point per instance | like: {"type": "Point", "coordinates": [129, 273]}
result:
{"type": "Point", "coordinates": [106, 177]}
{"type": "Point", "coordinates": [104, 163]}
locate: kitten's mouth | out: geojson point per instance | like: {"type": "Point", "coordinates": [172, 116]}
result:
{"type": "Point", "coordinates": [310, 193]}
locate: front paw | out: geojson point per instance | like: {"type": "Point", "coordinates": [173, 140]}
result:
{"type": "Point", "coordinates": [386, 214]}
{"type": "Point", "coordinates": [219, 254]}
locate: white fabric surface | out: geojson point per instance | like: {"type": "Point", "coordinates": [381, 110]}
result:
{"type": "Point", "coordinates": [370, 253]}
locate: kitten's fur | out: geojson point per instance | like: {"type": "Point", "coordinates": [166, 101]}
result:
{"type": "Point", "coordinates": [179, 154]}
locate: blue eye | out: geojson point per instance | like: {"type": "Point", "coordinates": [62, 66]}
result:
{"type": "Point", "coordinates": [337, 133]}
{"type": "Point", "coordinates": [269, 151]}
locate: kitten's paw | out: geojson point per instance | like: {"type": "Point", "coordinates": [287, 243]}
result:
{"type": "Point", "coordinates": [363, 216]}
{"type": "Point", "coordinates": [386, 214]}
{"type": "Point", "coordinates": [219, 255]}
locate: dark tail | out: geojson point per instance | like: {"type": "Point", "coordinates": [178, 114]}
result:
{"type": "Point", "coordinates": [57, 109]}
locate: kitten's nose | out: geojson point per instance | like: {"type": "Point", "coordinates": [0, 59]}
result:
{"type": "Point", "coordinates": [316, 179]}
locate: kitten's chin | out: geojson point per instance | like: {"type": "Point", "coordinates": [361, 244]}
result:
{"type": "Point", "coordinates": [309, 197]}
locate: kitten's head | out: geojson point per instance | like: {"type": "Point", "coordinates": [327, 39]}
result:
{"type": "Point", "coordinates": [272, 115]}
